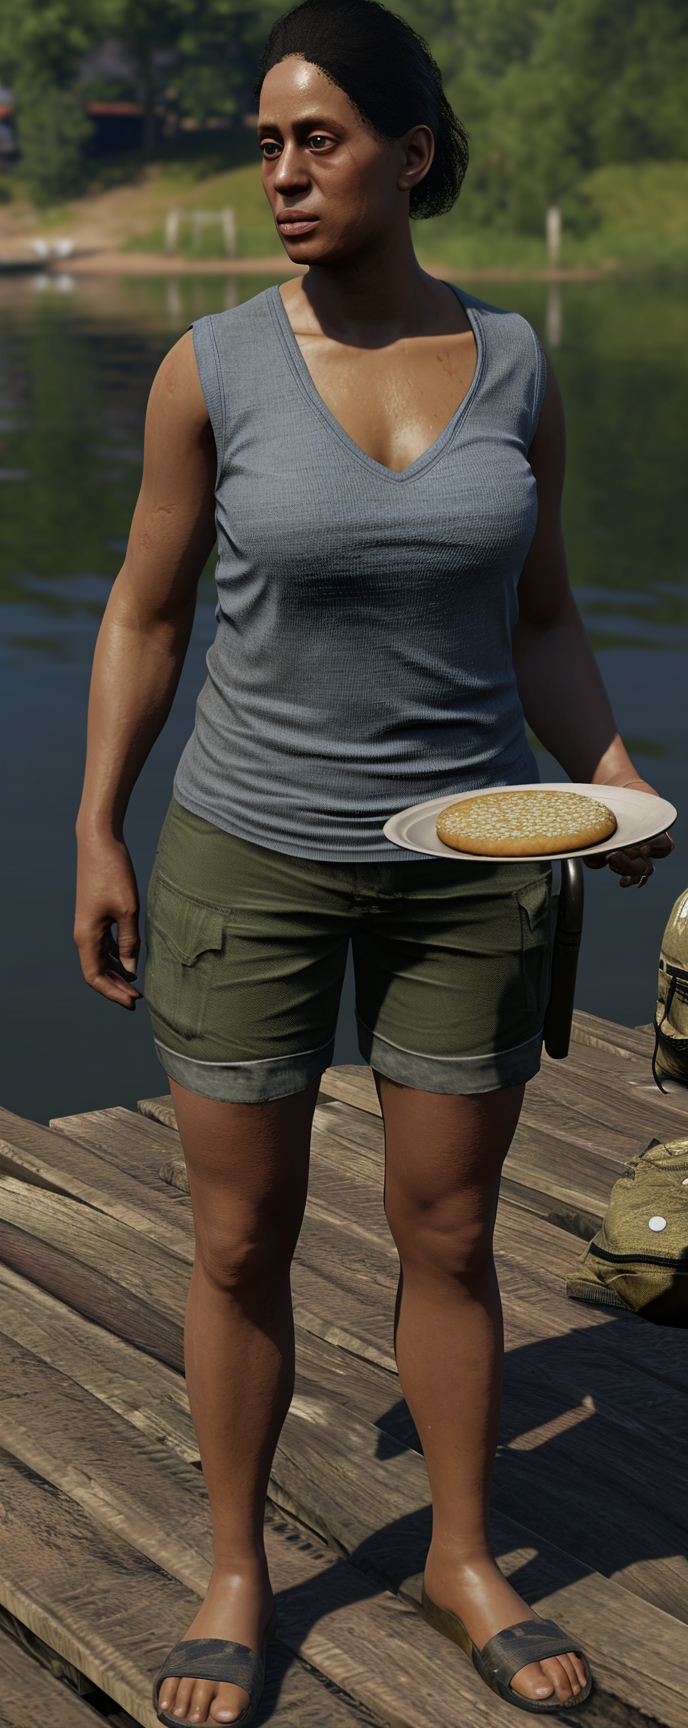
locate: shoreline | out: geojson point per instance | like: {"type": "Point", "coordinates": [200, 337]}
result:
{"type": "Point", "coordinates": [109, 262]}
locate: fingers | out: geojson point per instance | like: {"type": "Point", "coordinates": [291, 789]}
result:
{"type": "Point", "coordinates": [128, 941]}
{"type": "Point", "coordinates": [105, 969]}
{"type": "Point", "coordinates": [107, 896]}
{"type": "Point", "coordinates": [634, 864]}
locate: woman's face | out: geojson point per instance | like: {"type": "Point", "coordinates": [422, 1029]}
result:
{"type": "Point", "coordinates": [332, 183]}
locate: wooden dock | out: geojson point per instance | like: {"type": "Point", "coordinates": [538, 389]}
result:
{"type": "Point", "coordinates": [105, 1537]}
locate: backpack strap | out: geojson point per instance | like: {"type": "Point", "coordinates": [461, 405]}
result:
{"type": "Point", "coordinates": [674, 973]}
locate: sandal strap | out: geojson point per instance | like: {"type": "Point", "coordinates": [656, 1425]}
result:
{"type": "Point", "coordinates": [529, 1641]}
{"type": "Point", "coordinates": [214, 1659]}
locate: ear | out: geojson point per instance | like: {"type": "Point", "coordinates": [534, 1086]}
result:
{"type": "Point", "coordinates": [418, 147]}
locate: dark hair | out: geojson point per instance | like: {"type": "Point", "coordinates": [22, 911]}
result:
{"type": "Point", "coordinates": [389, 74]}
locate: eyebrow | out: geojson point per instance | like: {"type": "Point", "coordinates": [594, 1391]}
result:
{"type": "Point", "coordinates": [303, 120]}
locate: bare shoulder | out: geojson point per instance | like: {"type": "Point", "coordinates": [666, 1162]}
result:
{"type": "Point", "coordinates": [176, 393]}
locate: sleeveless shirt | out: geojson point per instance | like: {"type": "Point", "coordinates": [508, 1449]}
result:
{"type": "Point", "coordinates": [362, 660]}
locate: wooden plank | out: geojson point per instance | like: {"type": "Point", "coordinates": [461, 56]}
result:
{"type": "Point", "coordinates": [353, 1083]}
{"type": "Point", "coordinates": [92, 1294]}
{"type": "Point", "coordinates": [342, 1311]}
{"type": "Point", "coordinates": [30, 1696]}
{"type": "Point", "coordinates": [349, 1310]}
{"type": "Point", "coordinates": [156, 1277]}
{"type": "Point", "coordinates": [605, 1108]}
{"type": "Point", "coordinates": [578, 1481]}
{"type": "Point", "coordinates": [629, 1076]}
{"type": "Point", "coordinates": [608, 1035]}
{"type": "Point", "coordinates": [98, 1602]}
{"type": "Point", "coordinates": [355, 1270]}
{"type": "Point", "coordinates": [154, 1400]}
{"type": "Point", "coordinates": [526, 1419]}
{"type": "Point", "coordinates": [159, 1110]}
{"type": "Point", "coordinates": [111, 1610]}
{"type": "Point", "coordinates": [563, 1183]}
{"type": "Point", "coordinates": [109, 1472]}
{"type": "Point", "coordinates": [52, 1161]}
{"type": "Point", "coordinates": [127, 1139]}
{"type": "Point", "coordinates": [294, 1696]}
{"type": "Point", "coordinates": [151, 1396]}
{"type": "Point", "coordinates": [349, 1307]}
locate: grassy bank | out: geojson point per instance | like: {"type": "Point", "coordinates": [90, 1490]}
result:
{"type": "Point", "coordinates": [635, 217]}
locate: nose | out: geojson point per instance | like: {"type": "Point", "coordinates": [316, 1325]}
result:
{"type": "Point", "coordinates": [291, 175]}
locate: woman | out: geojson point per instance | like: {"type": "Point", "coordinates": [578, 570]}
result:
{"type": "Point", "coordinates": [382, 457]}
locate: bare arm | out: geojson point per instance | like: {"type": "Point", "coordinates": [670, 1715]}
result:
{"type": "Point", "coordinates": [138, 660]}
{"type": "Point", "coordinates": [564, 699]}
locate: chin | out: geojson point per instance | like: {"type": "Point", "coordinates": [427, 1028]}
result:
{"type": "Point", "coordinates": [309, 249]}
{"type": "Point", "coordinates": [322, 248]}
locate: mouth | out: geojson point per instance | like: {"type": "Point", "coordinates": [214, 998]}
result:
{"type": "Point", "coordinates": [292, 224]}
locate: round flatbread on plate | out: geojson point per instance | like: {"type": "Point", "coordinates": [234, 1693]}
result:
{"type": "Point", "coordinates": [529, 824]}
{"type": "Point", "coordinates": [638, 816]}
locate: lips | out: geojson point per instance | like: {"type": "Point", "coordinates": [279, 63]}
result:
{"type": "Point", "coordinates": [294, 224]}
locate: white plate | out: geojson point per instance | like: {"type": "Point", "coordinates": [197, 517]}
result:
{"type": "Point", "coordinates": [639, 816]}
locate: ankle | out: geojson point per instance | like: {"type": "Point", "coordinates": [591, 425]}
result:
{"type": "Point", "coordinates": [239, 1571]}
{"type": "Point", "coordinates": [458, 1555]}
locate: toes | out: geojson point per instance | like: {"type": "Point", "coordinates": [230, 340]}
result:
{"type": "Point", "coordinates": [167, 1695]}
{"type": "Point", "coordinates": [531, 1682]}
{"type": "Point", "coordinates": [229, 1704]}
{"type": "Point", "coordinates": [563, 1676]}
{"type": "Point", "coordinates": [201, 1701]}
{"type": "Point", "coordinates": [201, 1696]}
{"type": "Point", "coordinates": [560, 1670]}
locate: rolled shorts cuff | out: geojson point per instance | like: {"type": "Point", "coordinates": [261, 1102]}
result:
{"type": "Point", "coordinates": [452, 1075]}
{"type": "Point", "coordinates": [247, 1082]}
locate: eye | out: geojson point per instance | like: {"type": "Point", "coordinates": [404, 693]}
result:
{"type": "Point", "coordinates": [320, 141]}
{"type": "Point", "coordinates": [270, 148]}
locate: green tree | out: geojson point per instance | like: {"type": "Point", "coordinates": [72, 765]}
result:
{"type": "Point", "coordinates": [553, 89]}
{"type": "Point", "coordinates": [52, 132]}
{"type": "Point", "coordinates": [41, 44]}
{"type": "Point", "coordinates": [207, 50]}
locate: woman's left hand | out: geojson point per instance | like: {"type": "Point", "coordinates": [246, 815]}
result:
{"type": "Point", "coordinates": [634, 865]}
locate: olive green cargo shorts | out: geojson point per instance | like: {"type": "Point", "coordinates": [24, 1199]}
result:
{"type": "Point", "coordinates": [247, 950]}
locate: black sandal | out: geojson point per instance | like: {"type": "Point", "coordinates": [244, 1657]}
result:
{"type": "Point", "coordinates": [215, 1659]}
{"type": "Point", "coordinates": [504, 1654]}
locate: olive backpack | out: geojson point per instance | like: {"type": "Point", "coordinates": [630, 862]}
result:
{"type": "Point", "coordinates": [639, 1258]}
{"type": "Point", "coordinates": [671, 1016]}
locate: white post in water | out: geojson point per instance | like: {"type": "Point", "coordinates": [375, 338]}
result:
{"type": "Point", "coordinates": [228, 220]}
{"type": "Point", "coordinates": [172, 231]}
{"type": "Point", "coordinates": [553, 229]}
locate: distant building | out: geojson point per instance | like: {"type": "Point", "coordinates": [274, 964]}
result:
{"type": "Point", "coordinates": [116, 126]}
{"type": "Point", "coordinates": [8, 142]}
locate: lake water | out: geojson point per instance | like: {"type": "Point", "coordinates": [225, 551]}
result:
{"type": "Point", "coordinates": [76, 363]}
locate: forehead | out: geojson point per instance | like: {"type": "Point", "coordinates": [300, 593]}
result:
{"type": "Point", "coordinates": [295, 89]}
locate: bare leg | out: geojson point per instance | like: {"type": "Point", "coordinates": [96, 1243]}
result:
{"type": "Point", "coordinates": [248, 1173]}
{"type": "Point", "coordinates": [444, 1157]}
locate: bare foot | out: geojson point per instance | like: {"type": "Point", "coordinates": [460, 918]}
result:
{"type": "Point", "coordinates": [482, 1598]}
{"type": "Point", "coordinates": [237, 1606]}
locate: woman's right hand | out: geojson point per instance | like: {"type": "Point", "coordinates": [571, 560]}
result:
{"type": "Point", "coordinates": [107, 895]}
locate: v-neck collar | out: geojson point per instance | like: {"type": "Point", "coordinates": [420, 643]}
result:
{"type": "Point", "coordinates": [303, 376]}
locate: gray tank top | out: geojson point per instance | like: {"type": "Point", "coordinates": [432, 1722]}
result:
{"type": "Point", "coordinates": [362, 660]}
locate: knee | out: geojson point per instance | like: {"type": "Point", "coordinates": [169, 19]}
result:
{"type": "Point", "coordinates": [246, 1256]}
{"type": "Point", "coordinates": [439, 1244]}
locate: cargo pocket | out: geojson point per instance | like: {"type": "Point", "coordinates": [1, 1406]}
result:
{"type": "Point", "coordinates": [534, 905]}
{"type": "Point", "coordinates": [183, 938]}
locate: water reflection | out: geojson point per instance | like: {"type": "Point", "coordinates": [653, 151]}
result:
{"type": "Point", "coordinates": [76, 361]}
{"type": "Point", "coordinates": [553, 318]}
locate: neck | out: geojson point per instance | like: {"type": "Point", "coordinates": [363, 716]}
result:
{"type": "Point", "coordinates": [378, 294]}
